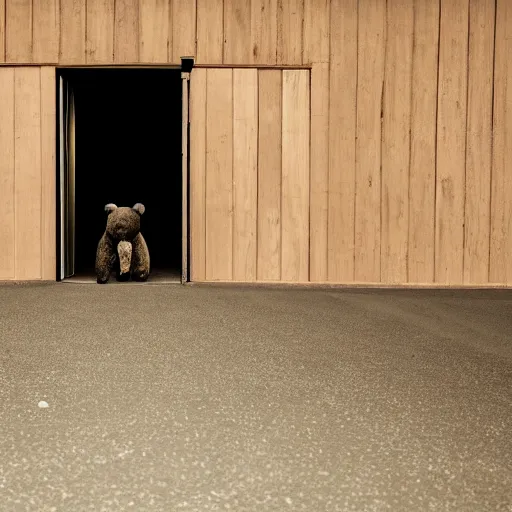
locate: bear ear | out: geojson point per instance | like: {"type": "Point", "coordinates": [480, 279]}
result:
{"type": "Point", "coordinates": [110, 207]}
{"type": "Point", "coordinates": [139, 208]}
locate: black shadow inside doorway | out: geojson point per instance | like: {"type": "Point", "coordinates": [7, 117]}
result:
{"type": "Point", "coordinates": [128, 150]}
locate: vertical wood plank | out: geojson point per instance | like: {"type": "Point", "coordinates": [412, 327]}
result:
{"type": "Point", "coordinates": [219, 174]}
{"type": "Point", "coordinates": [423, 143]}
{"type": "Point", "coordinates": [290, 17]}
{"type": "Point", "coordinates": [319, 171]}
{"type": "Point", "coordinates": [245, 173]}
{"type": "Point", "coordinates": [396, 140]}
{"type": "Point", "coordinates": [27, 150]}
{"type": "Point", "coordinates": [7, 172]}
{"type": "Point", "coordinates": [154, 30]}
{"type": "Point", "coordinates": [342, 141]}
{"type": "Point", "coordinates": [295, 177]}
{"type": "Point", "coordinates": [479, 142]}
{"type": "Point", "coordinates": [18, 31]}
{"type": "Point", "coordinates": [210, 31]}
{"type": "Point", "coordinates": [2, 30]}
{"type": "Point", "coordinates": [48, 174]}
{"type": "Point", "coordinates": [46, 28]}
{"type": "Point", "coordinates": [183, 27]}
{"type": "Point", "coordinates": [237, 32]}
{"type": "Point", "coordinates": [316, 31]}
{"type": "Point", "coordinates": [126, 31]}
{"type": "Point", "coordinates": [269, 174]}
{"type": "Point", "coordinates": [371, 41]}
{"type": "Point", "coordinates": [197, 174]}
{"type": "Point", "coordinates": [72, 32]}
{"type": "Point", "coordinates": [263, 32]}
{"type": "Point", "coordinates": [451, 142]}
{"type": "Point", "coordinates": [501, 188]}
{"type": "Point", "coordinates": [100, 32]}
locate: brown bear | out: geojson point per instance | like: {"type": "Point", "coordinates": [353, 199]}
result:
{"type": "Point", "coordinates": [122, 245]}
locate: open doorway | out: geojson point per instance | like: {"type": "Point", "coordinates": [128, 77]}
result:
{"type": "Point", "coordinates": [123, 135]}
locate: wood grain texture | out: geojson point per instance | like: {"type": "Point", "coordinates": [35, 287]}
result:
{"type": "Point", "coordinates": [245, 173]}
{"type": "Point", "coordinates": [7, 173]}
{"type": "Point", "coordinates": [154, 30]}
{"type": "Point", "coordinates": [396, 140]}
{"type": "Point", "coordinates": [197, 174]}
{"type": "Point", "coordinates": [210, 31]}
{"type": "Point", "coordinates": [479, 142]}
{"type": "Point", "coordinates": [100, 32]}
{"type": "Point", "coordinates": [48, 174]}
{"type": "Point", "coordinates": [319, 174]}
{"type": "Point", "coordinates": [269, 174]}
{"type": "Point", "coordinates": [342, 141]}
{"type": "Point", "coordinates": [219, 174]}
{"type": "Point", "coordinates": [183, 28]}
{"type": "Point", "coordinates": [2, 30]}
{"type": "Point", "coordinates": [237, 32]}
{"type": "Point", "coordinates": [422, 173]}
{"type": "Point", "coordinates": [295, 177]}
{"type": "Point", "coordinates": [290, 17]}
{"type": "Point", "coordinates": [263, 32]}
{"type": "Point", "coordinates": [371, 41]}
{"type": "Point", "coordinates": [27, 189]}
{"type": "Point", "coordinates": [18, 31]}
{"type": "Point", "coordinates": [501, 185]}
{"type": "Point", "coordinates": [316, 31]}
{"type": "Point", "coordinates": [126, 32]}
{"type": "Point", "coordinates": [72, 32]}
{"type": "Point", "coordinates": [46, 30]}
{"type": "Point", "coordinates": [451, 142]}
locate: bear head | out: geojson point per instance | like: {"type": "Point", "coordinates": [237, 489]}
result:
{"type": "Point", "coordinates": [123, 224]}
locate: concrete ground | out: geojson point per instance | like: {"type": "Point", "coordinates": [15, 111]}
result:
{"type": "Point", "coordinates": [172, 398]}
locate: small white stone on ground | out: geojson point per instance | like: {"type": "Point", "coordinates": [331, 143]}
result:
{"type": "Point", "coordinates": [42, 404]}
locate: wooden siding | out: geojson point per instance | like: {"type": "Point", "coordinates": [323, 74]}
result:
{"type": "Point", "coordinates": [27, 173]}
{"type": "Point", "coordinates": [371, 42]}
{"type": "Point", "coordinates": [422, 167]}
{"type": "Point", "coordinates": [408, 122]}
{"type": "Point", "coordinates": [342, 109]}
{"type": "Point", "coordinates": [500, 265]}
{"type": "Point", "coordinates": [477, 211]}
{"type": "Point", "coordinates": [396, 143]}
{"type": "Point", "coordinates": [451, 141]}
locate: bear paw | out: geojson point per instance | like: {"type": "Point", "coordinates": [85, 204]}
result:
{"type": "Point", "coordinates": [140, 275]}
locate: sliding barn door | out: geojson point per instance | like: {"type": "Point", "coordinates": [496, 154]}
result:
{"type": "Point", "coordinates": [249, 174]}
{"type": "Point", "coordinates": [27, 173]}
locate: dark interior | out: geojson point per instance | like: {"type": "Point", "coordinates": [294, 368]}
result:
{"type": "Point", "coordinates": [128, 150]}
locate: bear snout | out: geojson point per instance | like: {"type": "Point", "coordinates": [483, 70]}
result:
{"type": "Point", "coordinates": [122, 234]}
{"type": "Point", "coordinates": [122, 229]}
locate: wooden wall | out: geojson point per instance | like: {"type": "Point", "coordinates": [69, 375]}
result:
{"type": "Point", "coordinates": [161, 31]}
{"type": "Point", "coordinates": [27, 173]}
{"type": "Point", "coordinates": [410, 121]}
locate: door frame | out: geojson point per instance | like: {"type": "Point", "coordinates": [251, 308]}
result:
{"type": "Point", "coordinates": [187, 63]}
{"type": "Point", "coordinates": [62, 166]}
{"type": "Point", "coordinates": [66, 179]}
